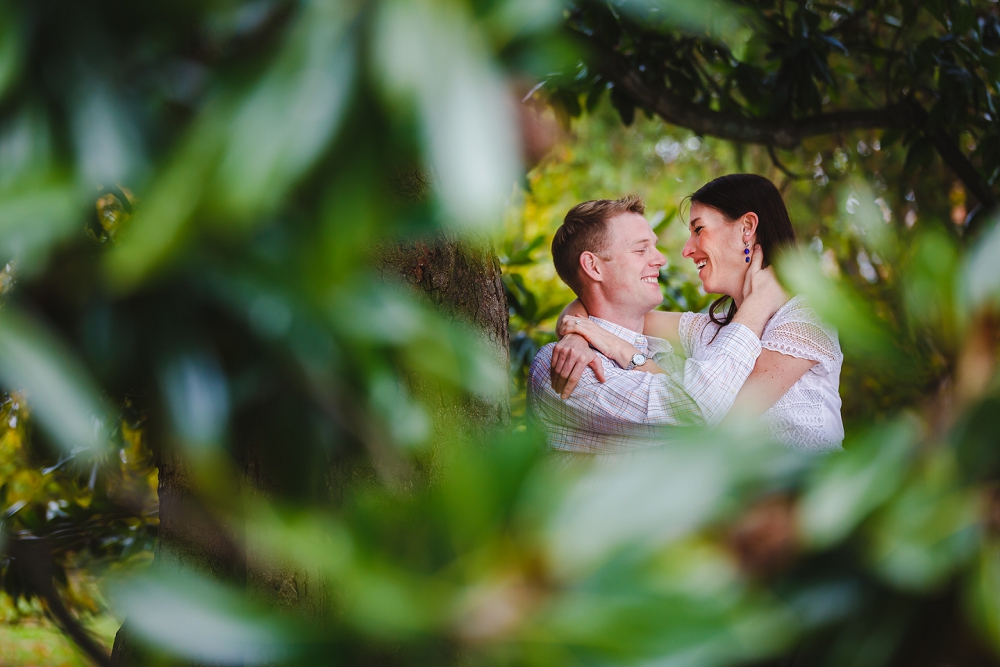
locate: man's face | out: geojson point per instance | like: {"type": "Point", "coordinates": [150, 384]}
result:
{"type": "Point", "coordinates": [631, 264]}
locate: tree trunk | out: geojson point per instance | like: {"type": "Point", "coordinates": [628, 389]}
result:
{"type": "Point", "coordinates": [462, 280]}
{"type": "Point", "coordinates": [188, 538]}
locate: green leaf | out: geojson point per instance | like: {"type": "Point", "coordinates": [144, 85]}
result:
{"type": "Point", "coordinates": [980, 277]}
{"type": "Point", "coordinates": [288, 119]}
{"type": "Point", "coordinates": [655, 496]}
{"type": "Point", "coordinates": [862, 332]}
{"type": "Point", "coordinates": [623, 103]}
{"type": "Point", "coordinates": [58, 387]}
{"type": "Point", "coordinates": [107, 140]}
{"type": "Point", "coordinates": [849, 487]}
{"type": "Point", "coordinates": [835, 43]}
{"type": "Point", "coordinates": [930, 529]}
{"type": "Point", "coordinates": [569, 101]}
{"type": "Point", "coordinates": [12, 43]}
{"type": "Point", "coordinates": [891, 136]}
{"type": "Point", "coordinates": [864, 219]}
{"type": "Point", "coordinates": [930, 282]}
{"type": "Point", "coordinates": [34, 219]}
{"type": "Point", "coordinates": [161, 220]}
{"type": "Point", "coordinates": [432, 58]}
{"type": "Point", "coordinates": [694, 16]}
{"type": "Point", "coordinates": [980, 592]}
{"type": "Point", "coordinates": [594, 95]}
{"type": "Point", "coordinates": [194, 617]}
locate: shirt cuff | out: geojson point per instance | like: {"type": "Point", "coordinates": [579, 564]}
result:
{"type": "Point", "coordinates": [739, 342]}
{"type": "Point", "coordinates": [658, 347]}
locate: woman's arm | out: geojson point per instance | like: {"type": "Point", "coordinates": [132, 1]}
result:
{"type": "Point", "coordinates": [572, 354]}
{"type": "Point", "coordinates": [605, 342]}
{"type": "Point", "coordinates": [658, 323]}
{"type": "Point", "coordinates": [772, 375]}
{"type": "Point", "coordinates": [574, 309]}
{"type": "Point", "coordinates": [662, 324]}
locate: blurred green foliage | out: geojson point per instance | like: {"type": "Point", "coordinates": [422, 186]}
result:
{"type": "Point", "coordinates": [36, 643]}
{"type": "Point", "coordinates": [219, 309]}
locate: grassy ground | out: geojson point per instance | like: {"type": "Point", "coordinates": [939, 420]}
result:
{"type": "Point", "coordinates": [31, 643]}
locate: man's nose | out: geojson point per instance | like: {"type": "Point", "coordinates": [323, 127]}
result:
{"type": "Point", "coordinates": [659, 259]}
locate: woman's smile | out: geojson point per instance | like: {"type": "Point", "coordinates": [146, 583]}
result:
{"type": "Point", "coordinates": [716, 248]}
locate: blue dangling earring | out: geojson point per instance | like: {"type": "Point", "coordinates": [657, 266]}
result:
{"type": "Point", "coordinates": [746, 251]}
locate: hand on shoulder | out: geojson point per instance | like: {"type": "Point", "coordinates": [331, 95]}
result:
{"type": "Point", "coordinates": [570, 358]}
{"type": "Point", "coordinates": [763, 295]}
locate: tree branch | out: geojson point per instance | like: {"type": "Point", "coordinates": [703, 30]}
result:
{"type": "Point", "coordinates": [785, 134]}
{"type": "Point", "coordinates": [782, 168]}
{"type": "Point", "coordinates": [32, 557]}
{"type": "Point", "coordinates": [952, 155]}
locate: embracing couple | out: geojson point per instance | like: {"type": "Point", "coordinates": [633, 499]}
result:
{"type": "Point", "coordinates": [614, 383]}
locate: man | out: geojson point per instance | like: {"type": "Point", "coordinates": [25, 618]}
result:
{"type": "Point", "coordinates": [606, 252]}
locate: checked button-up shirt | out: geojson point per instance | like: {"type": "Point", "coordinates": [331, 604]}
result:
{"type": "Point", "coordinates": [632, 409]}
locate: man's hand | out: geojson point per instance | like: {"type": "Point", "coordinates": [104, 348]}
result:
{"type": "Point", "coordinates": [570, 358]}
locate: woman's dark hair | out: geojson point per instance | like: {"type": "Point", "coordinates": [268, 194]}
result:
{"type": "Point", "coordinates": [736, 195]}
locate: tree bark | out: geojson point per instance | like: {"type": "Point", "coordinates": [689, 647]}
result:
{"type": "Point", "coordinates": [462, 280]}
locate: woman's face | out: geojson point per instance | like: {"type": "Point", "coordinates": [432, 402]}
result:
{"type": "Point", "coordinates": [716, 246]}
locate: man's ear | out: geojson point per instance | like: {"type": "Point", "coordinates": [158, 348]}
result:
{"type": "Point", "coordinates": [591, 266]}
{"type": "Point", "coordinates": [749, 224]}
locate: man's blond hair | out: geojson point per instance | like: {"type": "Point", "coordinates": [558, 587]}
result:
{"type": "Point", "coordinates": [585, 229]}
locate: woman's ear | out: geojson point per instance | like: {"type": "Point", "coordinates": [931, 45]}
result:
{"type": "Point", "coordinates": [749, 225]}
{"type": "Point", "coordinates": [591, 265]}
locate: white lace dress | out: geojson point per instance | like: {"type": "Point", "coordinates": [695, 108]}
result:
{"type": "Point", "coordinates": [808, 415]}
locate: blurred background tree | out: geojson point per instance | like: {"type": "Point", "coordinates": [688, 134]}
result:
{"type": "Point", "coordinates": [334, 471]}
{"type": "Point", "coordinates": [777, 74]}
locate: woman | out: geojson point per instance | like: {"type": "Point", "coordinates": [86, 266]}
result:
{"type": "Point", "coordinates": [794, 386]}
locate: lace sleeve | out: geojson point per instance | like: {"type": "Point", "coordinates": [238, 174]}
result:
{"type": "Point", "coordinates": [797, 331]}
{"type": "Point", "coordinates": [690, 330]}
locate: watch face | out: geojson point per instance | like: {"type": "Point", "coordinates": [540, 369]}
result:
{"type": "Point", "coordinates": [638, 359]}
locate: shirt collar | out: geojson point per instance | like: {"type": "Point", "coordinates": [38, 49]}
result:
{"type": "Point", "coordinates": [633, 337]}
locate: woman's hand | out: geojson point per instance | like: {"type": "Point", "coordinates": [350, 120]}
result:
{"type": "Point", "coordinates": [574, 309]}
{"type": "Point", "coordinates": [762, 295]}
{"type": "Point", "coordinates": [570, 358]}
{"type": "Point", "coordinates": [606, 342]}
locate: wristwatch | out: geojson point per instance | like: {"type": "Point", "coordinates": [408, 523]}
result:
{"type": "Point", "coordinates": [637, 360]}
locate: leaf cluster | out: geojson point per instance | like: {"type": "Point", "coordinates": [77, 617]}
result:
{"type": "Point", "coordinates": [776, 73]}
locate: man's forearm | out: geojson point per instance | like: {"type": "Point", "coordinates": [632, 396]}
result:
{"type": "Point", "coordinates": [702, 394]}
